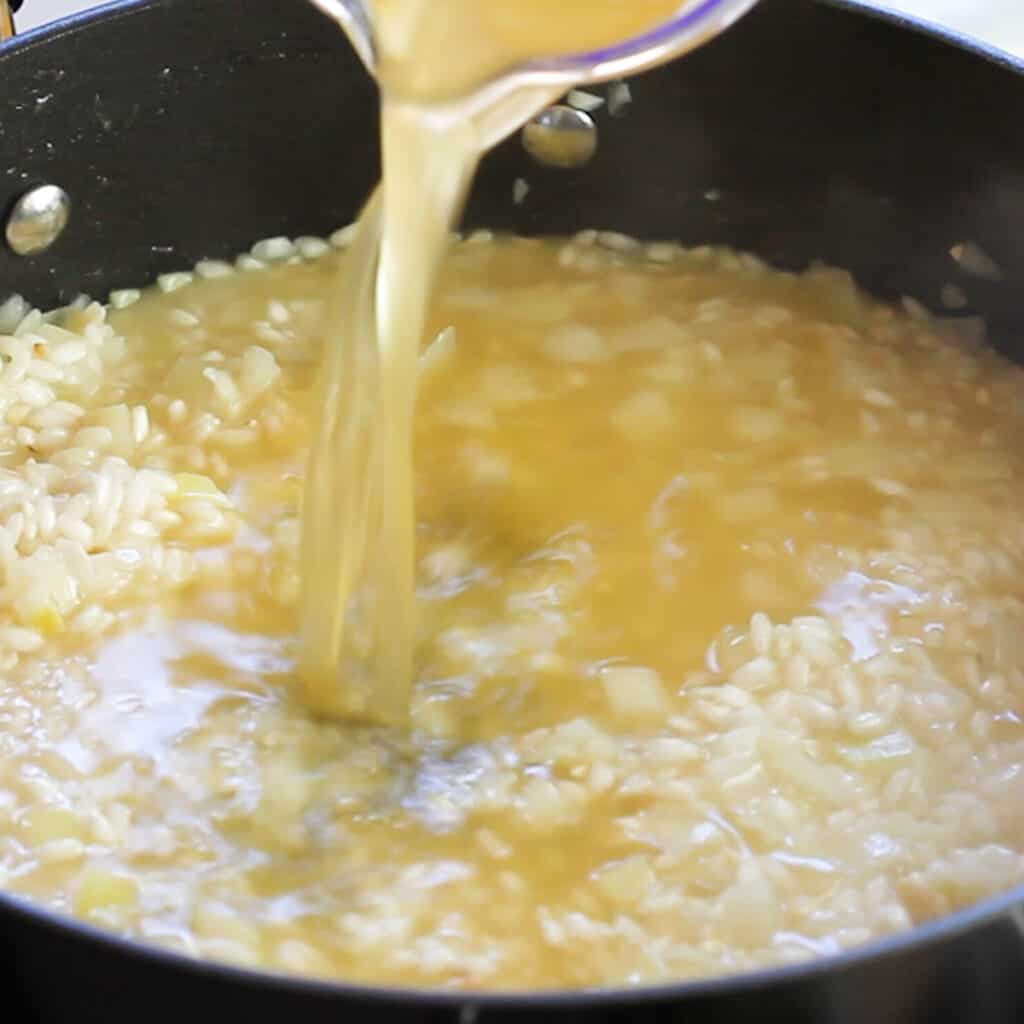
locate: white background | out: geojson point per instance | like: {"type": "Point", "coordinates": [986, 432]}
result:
{"type": "Point", "coordinates": [997, 21]}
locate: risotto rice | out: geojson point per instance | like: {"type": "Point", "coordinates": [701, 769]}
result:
{"type": "Point", "coordinates": [719, 583]}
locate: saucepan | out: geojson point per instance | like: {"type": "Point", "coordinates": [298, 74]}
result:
{"type": "Point", "coordinates": [176, 130]}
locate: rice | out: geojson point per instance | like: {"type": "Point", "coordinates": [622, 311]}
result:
{"type": "Point", "coordinates": [821, 744]}
{"type": "Point", "coordinates": [273, 250]}
{"type": "Point", "coordinates": [173, 282]}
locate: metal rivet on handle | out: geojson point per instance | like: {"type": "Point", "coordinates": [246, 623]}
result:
{"type": "Point", "coordinates": [38, 220]}
{"type": "Point", "coordinates": [561, 137]}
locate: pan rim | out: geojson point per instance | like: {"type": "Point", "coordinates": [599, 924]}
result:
{"type": "Point", "coordinates": [1007, 906]}
{"type": "Point", "coordinates": [878, 10]}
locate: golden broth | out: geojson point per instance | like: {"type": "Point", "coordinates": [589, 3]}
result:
{"type": "Point", "coordinates": [718, 590]}
{"type": "Point", "coordinates": [434, 50]}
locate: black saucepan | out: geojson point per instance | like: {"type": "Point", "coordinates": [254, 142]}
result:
{"type": "Point", "coordinates": [184, 129]}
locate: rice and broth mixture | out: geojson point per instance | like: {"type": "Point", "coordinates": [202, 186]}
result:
{"type": "Point", "coordinates": [719, 611]}
{"type": "Point", "coordinates": [709, 602]}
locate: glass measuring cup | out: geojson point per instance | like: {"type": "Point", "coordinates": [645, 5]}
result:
{"type": "Point", "coordinates": [528, 86]}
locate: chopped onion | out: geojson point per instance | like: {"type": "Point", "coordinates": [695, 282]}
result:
{"type": "Point", "coordinates": [585, 101]}
{"type": "Point", "coordinates": [619, 97]}
{"type": "Point", "coordinates": [975, 261]}
{"type": "Point", "coordinates": [634, 691]}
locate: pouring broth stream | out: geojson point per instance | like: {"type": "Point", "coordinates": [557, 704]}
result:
{"type": "Point", "coordinates": [358, 546]}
